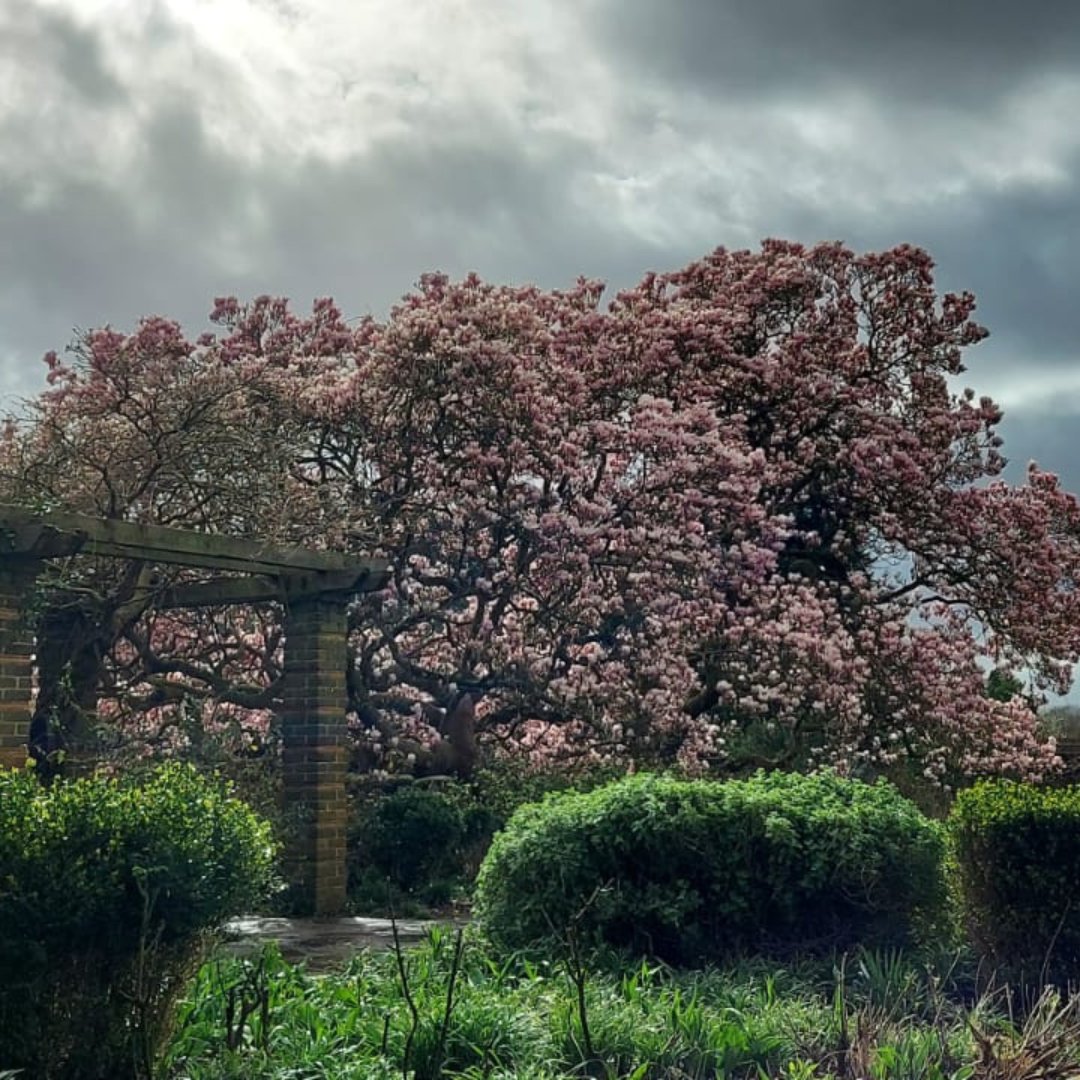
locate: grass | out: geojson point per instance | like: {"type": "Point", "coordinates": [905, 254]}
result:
{"type": "Point", "coordinates": [447, 1009]}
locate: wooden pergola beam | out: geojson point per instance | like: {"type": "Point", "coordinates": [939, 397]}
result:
{"type": "Point", "coordinates": [54, 534]}
{"type": "Point", "coordinates": [255, 590]}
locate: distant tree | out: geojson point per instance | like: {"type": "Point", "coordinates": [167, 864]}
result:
{"type": "Point", "coordinates": [1061, 721]}
{"type": "Point", "coordinates": [1002, 685]}
{"type": "Point", "coordinates": [737, 513]}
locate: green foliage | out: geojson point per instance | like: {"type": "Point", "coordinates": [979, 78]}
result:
{"type": "Point", "coordinates": [406, 843]}
{"type": "Point", "coordinates": [106, 890]}
{"type": "Point", "coordinates": [422, 844]}
{"type": "Point", "coordinates": [1003, 685]}
{"type": "Point", "coordinates": [503, 785]}
{"type": "Point", "coordinates": [699, 870]}
{"type": "Point", "coordinates": [468, 1017]}
{"type": "Point", "coordinates": [505, 1020]}
{"type": "Point", "coordinates": [1017, 849]}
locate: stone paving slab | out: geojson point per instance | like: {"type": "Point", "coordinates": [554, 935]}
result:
{"type": "Point", "coordinates": [322, 944]}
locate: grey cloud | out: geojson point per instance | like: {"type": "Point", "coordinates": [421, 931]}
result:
{"type": "Point", "coordinates": [82, 250]}
{"type": "Point", "coordinates": [460, 204]}
{"type": "Point", "coordinates": [1035, 266]}
{"type": "Point", "coordinates": [1048, 440]}
{"type": "Point", "coordinates": [1013, 247]}
{"type": "Point", "coordinates": [77, 261]}
{"type": "Point", "coordinates": [59, 50]}
{"type": "Point", "coordinates": [966, 50]}
{"type": "Point", "coordinates": [1013, 250]}
{"type": "Point", "coordinates": [192, 222]}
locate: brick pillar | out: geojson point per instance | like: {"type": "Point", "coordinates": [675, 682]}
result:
{"type": "Point", "coordinates": [313, 738]}
{"type": "Point", "coordinates": [17, 578]}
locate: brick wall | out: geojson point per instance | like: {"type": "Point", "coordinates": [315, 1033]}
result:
{"type": "Point", "coordinates": [313, 734]}
{"type": "Point", "coordinates": [17, 577]}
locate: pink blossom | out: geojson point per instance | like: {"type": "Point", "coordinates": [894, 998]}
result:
{"type": "Point", "coordinates": [742, 496]}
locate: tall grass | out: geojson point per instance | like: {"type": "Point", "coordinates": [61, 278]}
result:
{"type": "Point", "coordinates": [440, 1011]}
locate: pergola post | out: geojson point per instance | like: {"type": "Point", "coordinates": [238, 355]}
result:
{"type": "Point", "coordinates": [313, 740]}
{"type": "Point", "coordinates": [17, 579]}
{"type": "Point", "coordinates": [314, 588]}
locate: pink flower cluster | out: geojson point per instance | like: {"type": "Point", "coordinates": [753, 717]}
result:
{"type": "Point", "coordinates": [740, 499]}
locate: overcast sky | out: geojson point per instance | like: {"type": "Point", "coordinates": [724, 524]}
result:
{"type": "Point", "coordinates": [156, 154]}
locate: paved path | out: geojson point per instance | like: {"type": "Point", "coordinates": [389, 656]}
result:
{"type": "Point", "coordinates": [324, 943]}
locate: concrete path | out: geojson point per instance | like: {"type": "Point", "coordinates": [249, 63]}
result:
{"type": "Point", "coordinates": [324, 943]}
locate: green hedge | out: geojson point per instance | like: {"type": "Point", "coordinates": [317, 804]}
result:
{"type": "Point", "coordinates": [692, 871]}
{"type": "Point", "coordinates": [1017, 849]}
{"type": "Point", "coordinates": [407, 844]}
{"type": "Point", "coordinates": [106, 891]}
{"type": "Point", "coordinates": [420, 845]}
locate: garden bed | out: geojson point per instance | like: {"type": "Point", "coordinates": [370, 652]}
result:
{"type": "Point", "coordinates": [434, 1012]}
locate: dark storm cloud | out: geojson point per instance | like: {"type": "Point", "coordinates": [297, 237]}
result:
{"type": "Point", "coordinates": [1013, 250]}
{"type": "Point", "coordinates": [1030, 266]}
{"type": "Point", "coordinates": [83, 251]}
{"type": "Point", "coordinates": [962, 51]}
{"type": "Point", "coordinates": [454, 205]}
{"type": "Point", "coordinates": [1013, 247]}
{"type": "Point", "coordinates": [1050, 441]}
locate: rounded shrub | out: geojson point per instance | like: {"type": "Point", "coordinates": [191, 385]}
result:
{"type": "Point", "coordinates": [1017, 851]}
{"type": "Point", "coordinates": [107, 891]}
{"type": "Point", "coordinates": [691, 871]}
{"type": "Point", "coordinates": [410, 840]}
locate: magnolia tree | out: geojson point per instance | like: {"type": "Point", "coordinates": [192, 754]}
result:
{"type": "Point", "coordinates": [736, 516]}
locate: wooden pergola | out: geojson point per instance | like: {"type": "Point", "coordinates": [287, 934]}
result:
{"type": "Point", "coordinates": [313, 588]}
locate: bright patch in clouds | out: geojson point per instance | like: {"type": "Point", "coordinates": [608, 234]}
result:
{"type": "Point", "coordinates": [334, 79]}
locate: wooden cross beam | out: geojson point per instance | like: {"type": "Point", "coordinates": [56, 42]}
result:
{"type": "Point", "coordinates": [282, 589]}
{"type": "Point", "coordinates": [286, 571]}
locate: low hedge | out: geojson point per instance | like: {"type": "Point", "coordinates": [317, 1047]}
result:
{"type": "Point", "coordinates": [691, 871]}
{"type": "Point", "coordinates": [1017, 851]}
{"type": "Point", "coordinates": [107, 889]}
